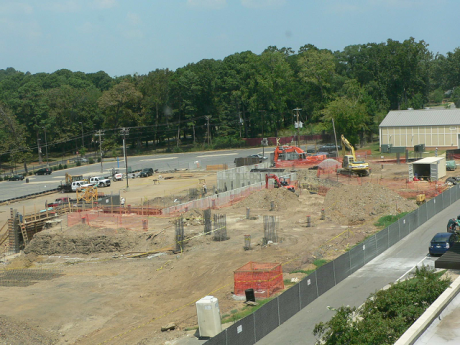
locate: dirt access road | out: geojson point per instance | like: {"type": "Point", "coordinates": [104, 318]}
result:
{"type": "Point", "coordinates": [110, 298]}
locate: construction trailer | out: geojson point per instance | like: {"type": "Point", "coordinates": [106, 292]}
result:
{"type": "Point", "coordinates": [429, 168]}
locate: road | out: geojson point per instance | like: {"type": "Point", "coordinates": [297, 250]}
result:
{"type": "Point", "coordinates": [162, 162]}
{"type": "Point", "coordinates": [394, 263]}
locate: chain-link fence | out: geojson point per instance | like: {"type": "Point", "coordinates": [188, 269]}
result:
{"type": "Point", "coordinates": [257, 325]}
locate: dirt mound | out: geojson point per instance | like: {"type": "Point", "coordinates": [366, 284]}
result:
{"type": "Point", "coordinates": [83, 239]}
{"type": "Point", "coordinates": [283, 199]}
{"type": "Point", "coordinates": [350, 205]}
{"type": "Point", "coordinates": [12, 332]}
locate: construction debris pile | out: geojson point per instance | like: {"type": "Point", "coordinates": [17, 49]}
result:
{"type": "Point", "coordinates": [351, 205]}
{"type": "Point", "coordinates": [12, 332]}
{"type": "Point", "coordinates": [262, 199]}
{"type": "Point", "coordinates": [83, 239]}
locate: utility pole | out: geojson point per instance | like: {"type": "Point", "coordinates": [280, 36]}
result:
{"type": "Point", "coordinates": [40, 161]}
{"type": "Point", "coordinates": [335, 137]}
{"type": "Point", "coordinates": [82, 141]}
{"type": "Point", "coordinates": [209, 137]}
{"type": "Point", "coordinates": [46, 147]}
{"type": "Point", "coordinates": [298, 126]}
{"type": "Point", "coordinates": [100, 133]}
{"type": "Point", "coordinates": [125, 132]}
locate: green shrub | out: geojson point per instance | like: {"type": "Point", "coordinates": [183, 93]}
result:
{"type": "Point", "coordinates": [386, 314]}
{"type": "Point", "coordinates": [1, 178]}
{"type": "Point", "coordinates": [60, 166]}
{"type": "Point", "coordinates": [91, 161]}
{"type": "Point", "coordinates": [98, 159]}
{"type": "Point", "coordinates": [78, 163]}
{"type": "Point", "coordinates": [227, 142]}
{"type": "Point", "coordinates": [65, 166]}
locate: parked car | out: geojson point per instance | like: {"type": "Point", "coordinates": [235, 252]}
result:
{"type": "Point", "coordinates": [81, 160]}
{"type": "Point", "coordinates": [79, 185]}
{"type": "Point", "coordinates": [261, 158]}
{"type": "Point", "coordinates": [100, 181]}
{"type": "Point", "coordinates": [441, 242]}
{"type": "Point", "coordinates": [146, 172]}
{"type": "Point", "coordinates": [329, 148]}
{"type": "Point", "coordinates": [16, 178]}
{"type": "Point", "coordinates": [43, 171]}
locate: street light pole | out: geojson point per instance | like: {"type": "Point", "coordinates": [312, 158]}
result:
{"type": "Point", "coordinates": [298, 126]}
{"type": "Point", "coordinates": [125, 132]}
{"type": "Point", "coordinates": [46, 148]}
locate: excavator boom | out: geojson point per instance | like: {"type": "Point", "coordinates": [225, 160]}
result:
{"type": "Point", "coordinates": [349, 164]}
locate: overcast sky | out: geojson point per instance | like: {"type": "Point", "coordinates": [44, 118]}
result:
{"type": "Point", "coordinates": [124, 37]}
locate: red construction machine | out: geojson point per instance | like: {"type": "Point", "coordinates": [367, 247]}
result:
{"type": "Point", "coordinates": [279, 182]}
{"type": "Point", "coordinates": [285, 156]}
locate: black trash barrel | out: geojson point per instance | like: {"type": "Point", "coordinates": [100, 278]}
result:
{"type": "Point", "coordinates": [27, 180]}
{"type": "Point", "coordinates": [250, 295]}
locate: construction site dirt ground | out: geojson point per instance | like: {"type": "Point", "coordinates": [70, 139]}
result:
{"type": "Point", "coordinates": [113, 298]}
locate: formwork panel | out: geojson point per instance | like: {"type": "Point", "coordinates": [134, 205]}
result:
{"type": "Point", "coordinates": [242, 332]}
{"type": "Point", "coordinates": [430, 209]}
{"type": "Point", "coordinates": [413, 220]}
{"type": "Point", "coordinates": [356, 258]}
{"type": "Point", "coordinates": [289, 303]}
{"type": "Point", "coordinates": [393, 234]}
{"type": "Point", "coordinates": [439, 204]}
{"type": "Point", "coordinates": [325, 278]}
{"type": "Point", "coordinates": [382, 240]}
{"type": "Point", "coordinates": [342, 267]}
{"type": "Point", "coordinates": [446, 198]}
{"type": "Point", "coordinates": [308, 290]}
{"type": "Point", "coordinates": [370, 249]}
{"type": "Point", "coordinates": [404, 226]}
{"type": "Point", "coordinates": [422, 214]}
{"type": "Point", "coordinates": [266, 318]}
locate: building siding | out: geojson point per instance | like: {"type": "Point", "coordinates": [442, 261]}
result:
{"type": "Point", "coordinates": [431, 136]}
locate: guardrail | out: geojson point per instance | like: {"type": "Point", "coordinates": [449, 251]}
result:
{"type": "Point", "coordinates": [2, 202]}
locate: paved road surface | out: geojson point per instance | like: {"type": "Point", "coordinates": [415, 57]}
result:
{"type": "Point", "coordinates": [394, 263]}
{"type": "Point", "coordinates": [12, 189]}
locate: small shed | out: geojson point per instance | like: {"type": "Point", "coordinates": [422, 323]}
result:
{"type": "Point", "coordinates": [429, 168]}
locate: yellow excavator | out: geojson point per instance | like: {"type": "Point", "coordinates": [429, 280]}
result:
{"type": "Point", "coordinates": [351, 166]}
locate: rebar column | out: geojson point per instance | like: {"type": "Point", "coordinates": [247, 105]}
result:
{"type": "Point", "coordinates": [179, 234]}
{"type": "Point", "coordinates": [207, 221]}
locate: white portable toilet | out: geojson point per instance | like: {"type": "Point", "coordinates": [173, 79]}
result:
{"type": "Point", "coordinates": [208, 313]}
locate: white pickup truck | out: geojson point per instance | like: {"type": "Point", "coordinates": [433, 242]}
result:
{"type": "Point", "coordinates": [99, 181]}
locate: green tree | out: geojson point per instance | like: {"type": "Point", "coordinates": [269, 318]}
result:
{"type": "Point", "coordinates": [121, 106]}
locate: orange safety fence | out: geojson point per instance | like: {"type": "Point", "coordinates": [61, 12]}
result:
{"type": "Point", "coordinates": [404, 187]}
{"type": "Point", "coordinates": [98, 219]}
{"type": "Point", "coordinates": [310, 161]}
{"type": "Point", "coordinates": [264, 278]}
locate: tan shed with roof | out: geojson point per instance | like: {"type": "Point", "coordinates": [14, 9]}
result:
{"type": "Point", "coordinates": [432, 127]}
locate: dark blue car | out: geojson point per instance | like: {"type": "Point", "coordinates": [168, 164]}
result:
{"type": "Point", "coordinates": [441, 242]}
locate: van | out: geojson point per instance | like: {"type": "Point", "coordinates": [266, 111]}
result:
{"type": "Point", "coordinates": [79, 184]}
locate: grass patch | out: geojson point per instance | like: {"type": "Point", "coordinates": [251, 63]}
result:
{"type": "Point", "coordinates": [307, 272]}
{"type": "Point", "coordinates": [387, 220]}
{"type": "Point", "coordinates": [288, 282]}
{"type": "Point", "coordinates": [239, 314]}
{"type": "Point", "coordinates": [319, 262]}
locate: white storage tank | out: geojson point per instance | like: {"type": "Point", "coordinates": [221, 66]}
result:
{"type": "Point", "coordinates": [208, 312]}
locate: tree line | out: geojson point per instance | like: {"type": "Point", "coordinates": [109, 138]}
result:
{"type": "Point", "coordinates": [243, 95]}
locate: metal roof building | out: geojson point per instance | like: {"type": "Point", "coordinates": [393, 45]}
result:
{"type": "Point", "coordinates": [432, 127]}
